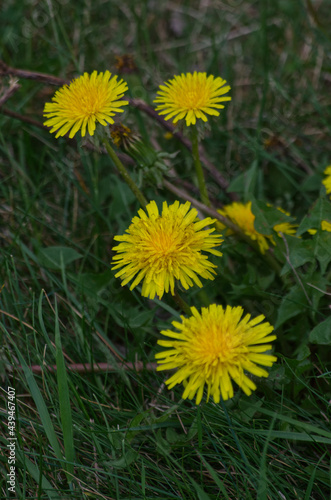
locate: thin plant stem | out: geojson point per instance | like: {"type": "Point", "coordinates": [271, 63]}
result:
{"type": "Point", "coordinates": [182, 304]}
{"type": "Point", "coordinates": [198, 167]}
{"type": "Point", "coordinates": [95, 182]}
{"type": "Point", "coordinates": [125, 174]}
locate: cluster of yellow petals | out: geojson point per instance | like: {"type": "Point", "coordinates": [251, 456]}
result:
{"type": "Point", "coordinates": [214, 347]}
{"type": "Point", "coordinates": [191, 96]}
{"type": "Point", "coordinates": [87, 100]}
{"type": "Point", "coordinates": [160, 249]}
{"type": "Point", "coordinates": [241, 214]}
{"type": "Point", "coordinates": [325, 226]}
{"type": "Point", "coordinates": [327, 180]}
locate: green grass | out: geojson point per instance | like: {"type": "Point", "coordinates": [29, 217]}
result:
{"type": "Point", "coordinates": [122, 434]}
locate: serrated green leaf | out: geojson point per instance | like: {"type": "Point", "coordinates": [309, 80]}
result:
{"type": "Point", "coordinates": [311, 183]}
{"type": "Point", "coordinates": [266, 217]}
{"type": "Point", "coordinates": [50, 257]}
{"type": "Point", "coordinates": [135, 423]}
{"type": "Point", "coordinates": [320, 211]}
{"type": "Point", "coordinates": [299, 252]}
{"type": "Point", "coordinates": [265, 281]}
{"type": "Point", "coordinates": [172, 436]}
{"type": "Point", "coordinates": [322, 475]}
{"type": "Point", "coordinates": [248, 410]}
{"type": "Point", "coordinates": [141, 319]}
{"type": "Point", "coordinates": [303, 352]}
{"type": "Point", "coordinates": [245, 182]}
{"type": "Point", "coordinates": [125, 460]}
{"type": "Point", "coordinates": [317, 289]}
{"type": "Point", "coordinates": [92, 283]}
{"type": "Point", "coordinates": [294, 303]}
{"type": "Point", "coordinates": [321, 334]}
{"type": "Point", "coordinates": [322, 248]}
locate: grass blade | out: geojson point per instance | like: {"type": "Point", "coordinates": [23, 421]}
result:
{"type": "Point", "coordinates": [64, 400]}
{"type": "Point", "coordinates": [41, 407]}
{"type": "Point", "coordinates": [34, 472]}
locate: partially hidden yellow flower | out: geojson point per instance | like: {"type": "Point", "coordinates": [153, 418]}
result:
{"type": "Point", "coordinates": [160, 249]}
{"type": "Point", "coordinates": [85, 101]}
{"type": "Point", "coordinates": [241, 214]}
{"type": "Point", "coordinates": [325, 226]}
{"type": "Point", "coordinates": [191, 96]}
{"type": "Point", "coordinates": [327, 180]}
{"type": "Point", "coordinates": [212, 347]}
{"type": "Point", "coordinates": [284, 227]}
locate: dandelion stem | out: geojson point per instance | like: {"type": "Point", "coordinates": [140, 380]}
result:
{"type": "Point", "coordinates": [182, 304]}
{"type": "Point", "coordinates": [125, 174]}
{"type": "Point", "coordinates": [198, 167]}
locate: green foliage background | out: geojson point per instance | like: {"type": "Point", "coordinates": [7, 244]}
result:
{"type": "Point", "coordinates": [122, 434]}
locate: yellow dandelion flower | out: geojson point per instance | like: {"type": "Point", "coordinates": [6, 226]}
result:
{"type": "Point", "coordinates": [214, 347]}
{"type": "Point", "coordinates": [241, 214]}
{"type": "Point", "coordinates": [160, 249]}
{"type": "Point", "coordinates": [327, 180]}
{"type": "Point", "coordinates": [191, 97]}
{"type": "Point", "coordinates": [325, 226]}
{"type": "Point", "coordinates": [87, 100]}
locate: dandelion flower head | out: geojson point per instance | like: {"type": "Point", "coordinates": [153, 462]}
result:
{"type": "Point", "coordinates": [191, 96]}
{"type": "Point", "coordinates": [214, 347]}
{"type": "Point", "coordinates": [241, 214]}
{"type": "Point", "coordinates": [159, 249]}
{"type": "Point", "coordinates": [85, 101]}
{"type": "Point", "coordinates": [327, 180]}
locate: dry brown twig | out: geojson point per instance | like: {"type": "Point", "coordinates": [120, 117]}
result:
{"type": "Point", "coordinates": [13, 87]}
{"type": "Point", "coordinates": [6, 70]}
